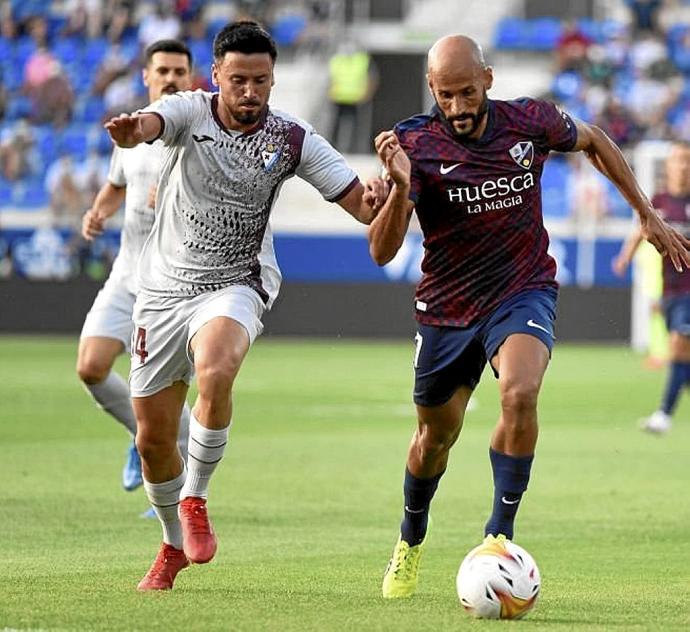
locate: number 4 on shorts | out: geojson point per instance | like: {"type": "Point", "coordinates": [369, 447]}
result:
{"type": "Point", "coordinates": [140, 345]}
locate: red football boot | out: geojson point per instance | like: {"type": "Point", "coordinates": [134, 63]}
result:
{"type": "Point", "coordinates": [168, 563]}
{"type": "Point", "coordinates": [197, 533]}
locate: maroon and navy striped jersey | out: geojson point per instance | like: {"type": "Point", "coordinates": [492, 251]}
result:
{"type": "Point", "coordinates": [479, 207]}
{"type": "Point", "coordinates": [676, 211]}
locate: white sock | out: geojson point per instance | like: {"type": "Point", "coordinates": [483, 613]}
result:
{"type": "Point", "coordinates": [164, 498]}
{"type": "Point", "coordinates": [112, 395]}
{"type": "Point", "coordinates": [183, 433]}
{"type": "Point", "coordinates": [206, 448]}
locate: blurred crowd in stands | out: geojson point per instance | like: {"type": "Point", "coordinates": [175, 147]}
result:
{"type": "Point", "coordinates": [67, 65]}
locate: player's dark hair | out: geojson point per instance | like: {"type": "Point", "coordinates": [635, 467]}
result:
{"type": "Point", "coordinates": [245, 37]}
{"type": "Point", "coordinates": [168, 46]}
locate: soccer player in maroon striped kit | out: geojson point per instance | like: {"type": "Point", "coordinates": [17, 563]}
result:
{"type": "Point", "coordinates": [471, 171]}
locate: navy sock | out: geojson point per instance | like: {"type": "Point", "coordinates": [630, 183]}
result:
{"type": "Point", "coordinates": [418, 494]}
{"type": "Point", "coordinates": [678, 376]}
{"type": "Point", "coordinates": [511, 475]}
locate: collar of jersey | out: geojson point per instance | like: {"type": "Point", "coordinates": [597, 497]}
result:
{"type": "Point", "coordinates": [231, 132]}
{"type": "Point", "coordinates": [485, 137]}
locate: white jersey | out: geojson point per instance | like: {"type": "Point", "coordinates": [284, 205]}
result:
{"type": "Point", "coordinates": [216, 192]}
{"type": "Point", "coordinates": [138, 169]}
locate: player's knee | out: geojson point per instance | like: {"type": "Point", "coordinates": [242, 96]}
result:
{"type": "Point", "coordinates": [92, 370]}
{"type": "Point", "coordinates": [520, 397]}
{"type": "Point", "coordinates": [216, 380]}
{"type": "Point", "coordinates": [436, 444]}
{"type": "Point", "coordinates": [154, 446]}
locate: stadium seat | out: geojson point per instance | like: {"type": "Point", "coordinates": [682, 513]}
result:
{"type": "Point", "coordinates": [18, 107]}
{"type": "Point", "coordinates": [12, 76]}
{"type": "Point", "coordinates": [5, 194]}
{"type": "Point", "coordinates": [75, 141]}
{"type": "Point", "coordinates": [94, 52]}
{"type": "Point", "coordinates": [67, 49]}
{"type": "Point", "coordinates": [287, 29]}
{"type": "Point", "coordinates": [30, 195]}
{"type": "Point", "coordinates": [511, 34]}
{"type": "Point", "coordinates": [554, 187]}
{"type": "Point", "coordinates": [24, 47]}
{"type": "Point", "coordinates": [89, 109]}
{"type": "Point", "coordinates": [567, 85]}
{"type": "Point", "coordinates": [544, 33]}
{"type": "Point", "coordinates": [617, 206]}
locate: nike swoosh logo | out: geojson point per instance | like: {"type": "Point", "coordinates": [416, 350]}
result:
{"type": "Point", "coordinates": [444, 170]}
{"type": "Point", "coordinates": [414, 511]}
{"type": "Point", "coordinates": [202, 139]}
{"type": "Point", "coordinates": [531, 323]}
{"type": "Point", "coordinates": [505, 501]}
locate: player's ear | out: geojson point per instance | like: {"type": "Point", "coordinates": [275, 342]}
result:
{"type": "Point", "coordinates": [145, 76]}
{"type": "Point", "coordinates": [488, 77]}
{"type": "Point", "coordinates": [214, 74]}
{"type": "Point", "coordinates": [429, 84]}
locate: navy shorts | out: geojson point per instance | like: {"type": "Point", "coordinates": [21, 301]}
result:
{"type": "Point", "coordinates": [449, 357]}
{"type": "Point", "coordinates": [677, 314]}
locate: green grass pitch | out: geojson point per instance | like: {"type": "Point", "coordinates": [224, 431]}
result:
{"type": "Point", "coordinates": [308, 499]}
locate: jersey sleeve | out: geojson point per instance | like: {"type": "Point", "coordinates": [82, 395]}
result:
{"type": "Point", "coordinates": [559, 128]}
{"type": "Point", "coordinates": [176, 112]}
{"type": "Point", "coordinates": [415, 180]}
{"type": "Point", "coordinates": [325, 168]}
{"type": "Point", "coordinates": [116, 171]}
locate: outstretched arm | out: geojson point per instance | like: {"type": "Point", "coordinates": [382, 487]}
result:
{"type": "Point", "coordinates": [364, 200]}
{"type": "Point", "coordinates": [605, 155]}
{"type": "Point", "coordinates": [628, 250]}
{"type": "Point", "coordinates": [128, 130]}
{"type": "Point", "coordinates": [107, 201]}
{"type": "Point", "coordinates": [387, 231]}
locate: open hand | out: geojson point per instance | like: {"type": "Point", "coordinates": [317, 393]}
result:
{"type": "Point", "coordinates": [126, 130]}
{"type": "Point", "coordinates": [667, 240]}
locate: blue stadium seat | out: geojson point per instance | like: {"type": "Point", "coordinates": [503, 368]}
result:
{"type": "Point", "coordinates": [75, 141]}
{"type": "Point", "coordinates": [544, 33]}
{"type": "Point", "coordinates": [5, 49]}
{"type": "Point", "coordinates": [567, 85]}
{"type": "Point", "coordinates": [29, 195]}
{"type": "Point", "coordinates": [287, 29]}
{"type": "Point", "coordinates": [24, 47]}
{"type": "Point", "coordinates": [511, 34]}
{"type": "Point", "coordinates": [12, 76]}
{"type": "Point", "coordinates": [5, 193]}
{"type": "Point", "coordinates": [617, 206]}
{"type": "Point", "coordinates": [94, 52]}
{"type": "Point", "coordinates": [89, 109]}
{"type": "Point", "coordinates": [201, 54]}
{"type": "Point", "coordinates": [18, 107]}
{"type": "Point", "coordinates": [554, 184]}
{"type": "Point", "coordinates": [67, 49]}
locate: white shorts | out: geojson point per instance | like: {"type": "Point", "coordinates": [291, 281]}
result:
{"type": "Point", "coordinates": [163, 328]}
{"type": "Point", "coordinates": [110, 315]}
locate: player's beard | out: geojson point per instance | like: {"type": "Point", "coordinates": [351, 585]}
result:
{"type": "Point", "coordinates": [246, 117]}
{"type": "Point", "coordinates": [475, 118]}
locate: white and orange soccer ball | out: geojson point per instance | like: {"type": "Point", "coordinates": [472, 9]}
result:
{"type": "Point", "coordinates": [498, 580]}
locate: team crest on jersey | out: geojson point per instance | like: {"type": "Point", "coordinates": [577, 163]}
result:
{"type": "Point", "coordinates": [523, 153]}
{"type": "Point", "coordinates": [270, 156]}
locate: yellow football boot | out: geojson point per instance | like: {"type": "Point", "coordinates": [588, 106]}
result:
{"type": "Point", "coordinates": [400, 578]}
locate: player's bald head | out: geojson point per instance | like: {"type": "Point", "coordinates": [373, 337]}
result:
{"type": "Point", "coordinates": [455, 52]}
{"type": "Point", "coordinates": [458, 80]}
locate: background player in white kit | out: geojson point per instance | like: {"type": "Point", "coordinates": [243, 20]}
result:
{"type": "Point", "coordinates": [207, 271]}
{"type": "Point", "coordinates": [107, 330]}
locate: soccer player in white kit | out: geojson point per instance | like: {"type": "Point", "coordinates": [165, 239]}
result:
{"type": "Point", "coordinates": [208, 272]}
{"type": "Point", "coordinates": [107, 330]}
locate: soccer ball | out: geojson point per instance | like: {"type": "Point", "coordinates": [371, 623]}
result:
{"type": "Point", "coordinates": [498, 580]}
